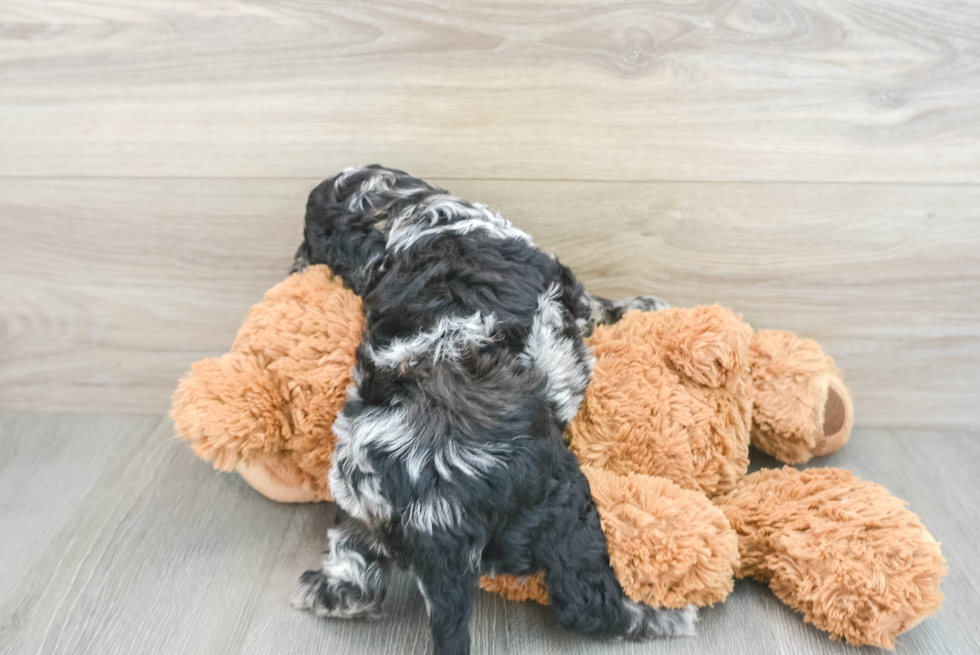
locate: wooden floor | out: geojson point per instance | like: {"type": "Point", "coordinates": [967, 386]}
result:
{"type": "Point", "coordinates": [117, 540]}
{"type": "Point", "coordinates": [813, 165]}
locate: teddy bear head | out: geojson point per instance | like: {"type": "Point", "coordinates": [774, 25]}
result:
{"type": "Point", "coordinates": [670, 396]}
{"type": "Point", "coordinates": [266, 408]}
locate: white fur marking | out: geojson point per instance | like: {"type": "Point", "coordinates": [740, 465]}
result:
{"type": "Point", "coordinates": [378, 181]}
{"type": "Point", "coordinates": [448, 214]}
{"type": "Point", "coordinates": [647, 622]}
{"type": "Point", "coordinates": [425, 596]}
{"type": "Point", "coordinates": [344, 565]}
{"type": "Point", "coordinates": [555, 355]}
{"type": "Point", "coordinates": [431, 513]}
{"type": "Point", "coordinates": [445, 341]}
{"type": "Point", "coordinates": [379, 428]}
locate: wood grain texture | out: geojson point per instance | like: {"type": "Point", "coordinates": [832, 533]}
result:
{"type": "Point", "coordinates": [792, 90]}
{"type": "Point", "coordinates": [117, 540]}
{"type": "Point", "coordinates": [110, 289]}
{"type": "Point", "coordinates": [814, 165]}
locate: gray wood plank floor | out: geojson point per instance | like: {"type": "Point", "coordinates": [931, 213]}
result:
{"type": "Point", "coordinates": [115, 539]}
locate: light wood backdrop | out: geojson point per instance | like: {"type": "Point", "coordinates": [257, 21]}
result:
{"type": "Point", "coordinates": [814, 165]}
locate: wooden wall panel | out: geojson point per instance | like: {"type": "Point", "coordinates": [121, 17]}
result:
{"type": "Point", "coordinates": [110, 288]}
{"type": "Point", "coordinates": [791, 90]}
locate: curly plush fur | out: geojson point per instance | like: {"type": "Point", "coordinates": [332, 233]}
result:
{"type": "Point", "coordinates": [449, 459]}
{"type": "Point", "coordinates": [266, 406]}
{"type": "Point", "coordinates": [844, 552]}
{"type": "Point", "coordinates": [670, 397]}
{"type": "Point", "coordinates": [803, 408]}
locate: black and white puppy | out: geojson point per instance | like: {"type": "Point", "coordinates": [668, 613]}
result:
{"type": "Point", "coordinates": [449, 457]}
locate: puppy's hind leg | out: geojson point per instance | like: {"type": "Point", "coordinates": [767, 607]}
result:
{"type": "Point", "coordinates": [352, 582]}
{"type": "Point", "coordinates": [581, 583]}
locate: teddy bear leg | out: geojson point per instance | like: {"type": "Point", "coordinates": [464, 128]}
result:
{"type": "Point", "coordinates": [843, 552]}
{"type": "Point", "coordinates": [351, 583]}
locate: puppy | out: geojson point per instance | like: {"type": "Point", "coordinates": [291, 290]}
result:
{"type": "Point", "coordinates": [449, 457]}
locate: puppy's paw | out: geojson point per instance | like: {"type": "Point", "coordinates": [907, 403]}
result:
{"type": "Point", "coordinates": [339, 599]}
{"type": "Point", "coordinates": [650, 623]}
{"type": "Point", "coordinates": [642, 303]}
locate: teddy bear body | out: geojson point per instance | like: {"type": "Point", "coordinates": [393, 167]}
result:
{"type": "Point", "coordinates": [662, 435]}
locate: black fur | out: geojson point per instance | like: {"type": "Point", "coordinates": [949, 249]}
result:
{"type": "Point", "coordinates": [450, 460]}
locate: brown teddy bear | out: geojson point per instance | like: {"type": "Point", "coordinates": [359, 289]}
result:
{"type": "Point", "coordinates": [662, 435]}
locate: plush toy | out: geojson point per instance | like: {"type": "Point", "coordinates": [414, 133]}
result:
{"type": "Point", "coordinates": [662, 436]}
{"type": "Point", "coordinates": [268, 406]}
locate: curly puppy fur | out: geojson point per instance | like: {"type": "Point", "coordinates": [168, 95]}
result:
{"type": "Point", "coordinates": [449, 457]}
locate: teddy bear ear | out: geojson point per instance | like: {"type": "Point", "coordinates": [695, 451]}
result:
{"type": "Point", "coordinates": [709, 344]}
